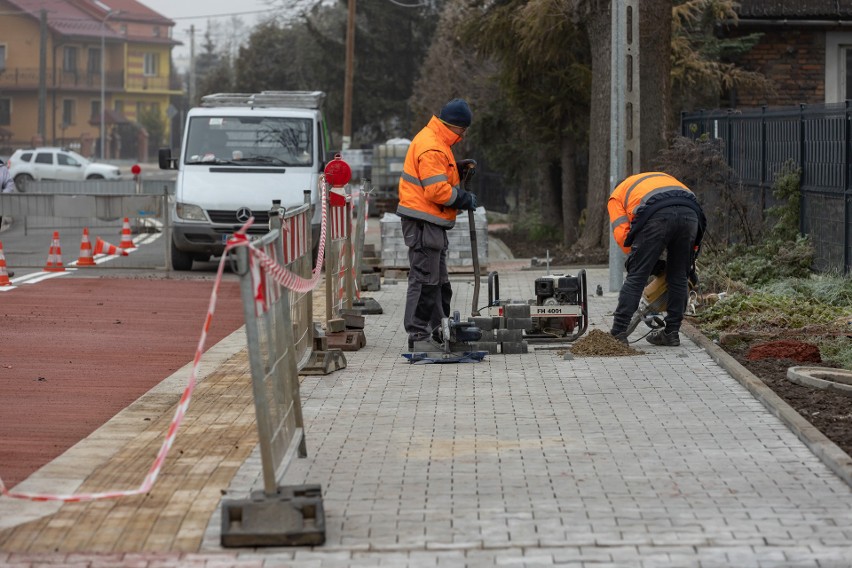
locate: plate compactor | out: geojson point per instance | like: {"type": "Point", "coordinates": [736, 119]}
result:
{"type": "Point", "coordinates": [456, 338]}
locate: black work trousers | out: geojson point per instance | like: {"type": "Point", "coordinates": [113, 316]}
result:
{"type": "Point", "coordinates": [429, 291]}
{"type": "Point", "coordinates": [672, 229]}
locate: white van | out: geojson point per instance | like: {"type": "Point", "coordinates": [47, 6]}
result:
{"type": "Point", "coordinates": [240, 152]}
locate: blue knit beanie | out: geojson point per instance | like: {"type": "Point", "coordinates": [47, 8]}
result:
{"type": "Point", "coordinates": [456, 113]}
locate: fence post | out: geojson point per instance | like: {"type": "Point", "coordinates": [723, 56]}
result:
{"type": "Point", "coordinates": [801, 168]}
{"type": "Point", "coordinates": [167, 230]}
{"type": "Point", "coordinates": [310, 245]}
{"type": "Point", "coordinates": [349, 267]}
{"type": "Point", "coordinates": [763, 148]}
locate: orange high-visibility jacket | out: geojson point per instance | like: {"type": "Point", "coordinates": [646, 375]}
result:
{"type": "Point", "coordinates": [430, 178]}
{"type": "Point", "coordinates": [631, 195]}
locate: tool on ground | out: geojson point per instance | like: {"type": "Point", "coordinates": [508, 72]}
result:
{"type": "Point", "coordinates": [467, 169]}
{"type": "Point", "coordinates": [559, 313]}
{"type": "Point", "coordinates": [655, 297]}
{"type": "Point", "coordinates": [561, 307]}
{"type": "Point", "coordinates": [456, 337]}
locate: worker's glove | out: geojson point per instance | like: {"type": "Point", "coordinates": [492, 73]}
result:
{"type": "Point", "coordinates": [465, 200]}
{"type": "Point", "coordinates": [467, 169]}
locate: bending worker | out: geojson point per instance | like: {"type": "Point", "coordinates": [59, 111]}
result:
{"type": "Point", "coordinates": [430, 197]}
{"type": "Point", "coordinates": [650, 213]}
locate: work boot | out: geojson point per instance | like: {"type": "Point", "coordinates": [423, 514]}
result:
{"type": "Point", "coordinates": [662, 337]}
{"type": "Point", "coordinates": [10, 273]}
{"type": "Point", "coordinates": [620, 336]}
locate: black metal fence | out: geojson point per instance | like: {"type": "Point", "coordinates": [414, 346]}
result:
{"type": "Point", "coordinates": [818, 138]}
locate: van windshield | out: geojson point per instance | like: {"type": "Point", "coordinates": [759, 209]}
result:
{"type": "Point", "coordinates": [250, 141]}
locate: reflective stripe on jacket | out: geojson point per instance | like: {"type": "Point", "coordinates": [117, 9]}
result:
{"type": "Point", "coordinates": [430, 179]}
{"type": "Point", "coordinates": [633, 193]}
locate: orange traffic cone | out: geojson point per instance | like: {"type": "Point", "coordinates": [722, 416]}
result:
{"type": "Point", "coordinates": [54, 257]}
{"type": "Point", "coordinates": [4, 274]}
{"type": "Point", "coordinates": [103, 247]}
{"type": "Point", "coordinates": [86, 257]}
{"type": "Point", "coordinates": [126, 236]}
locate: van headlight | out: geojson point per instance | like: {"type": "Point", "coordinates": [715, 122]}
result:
{"type": "Point", "coordinates": [189, 212]}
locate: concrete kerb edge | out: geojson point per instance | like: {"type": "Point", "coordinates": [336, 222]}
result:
{"type": "Point", "coordinates": [835, 458]}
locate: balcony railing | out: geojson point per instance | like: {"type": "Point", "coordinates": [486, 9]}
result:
{"type": "Point", "coordinates": [140, 83]}
{"type": "Point", "coordinates": [28, 78]}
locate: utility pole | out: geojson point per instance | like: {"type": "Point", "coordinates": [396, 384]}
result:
{"type": "Point", "coordinates": [191, 94]}
{"type": "Point", "coordinates": [348, 84]}
{"type": "Point", "coordinates": [42, 78]}
{"type": "Point", "coordinates": [624, 113]}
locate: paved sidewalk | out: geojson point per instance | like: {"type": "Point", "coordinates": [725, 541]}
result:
{"type": "Point", "coordinates": [656, 460]}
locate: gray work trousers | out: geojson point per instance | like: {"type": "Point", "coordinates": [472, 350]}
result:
{"type": "Point", "coordinates": [429, 293]}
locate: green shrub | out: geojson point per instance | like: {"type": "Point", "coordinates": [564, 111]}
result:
{"type": "Point", "coordinates": [762, 310]}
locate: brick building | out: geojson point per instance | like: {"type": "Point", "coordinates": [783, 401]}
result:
{"type": "Point", "coordinates": [805, 50]}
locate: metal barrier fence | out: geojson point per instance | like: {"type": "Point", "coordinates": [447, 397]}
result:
{"type": "Point", "coordinates": [295, 227]}
{"type": "Point", "coordinates": [339, 260]}
{"type": "Point", "coordinates": [273, 360]}
{"type": "Point", "coordinates": [279, 333]}
{"type": "Point", "coordinates": [90, 187]}
{"type": "Point", "coordinates": [66, 211]}
{"type": "Point", "coordinates": [818, 139]}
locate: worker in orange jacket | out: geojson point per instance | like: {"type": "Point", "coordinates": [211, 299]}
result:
{"type": "Point", "coordinates": [650, 213]}
{"type": "Point", "coordinates": [430, 197]}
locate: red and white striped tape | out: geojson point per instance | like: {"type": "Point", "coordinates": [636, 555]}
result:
{"type": "Point", "coordinates": [281, 276]}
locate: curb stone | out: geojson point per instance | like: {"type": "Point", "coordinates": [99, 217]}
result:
{"type": "Point", "coordinates": [830, 453]}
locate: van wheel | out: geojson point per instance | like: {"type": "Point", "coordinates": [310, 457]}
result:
{"type": "Point", "coordinates": [181, 260]}
{"type": "Point", "coordinates": [95, 176]}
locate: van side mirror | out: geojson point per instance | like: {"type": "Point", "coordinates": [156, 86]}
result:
{"type": "Point", "coordinates": [167, 162]}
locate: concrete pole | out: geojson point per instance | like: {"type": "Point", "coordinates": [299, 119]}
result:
{"type": "Point", "coordinates": [191, 96]}
{"type": "Point", "coordinates": [348, 85]}
{"type": "Point", "coordinates": [103, 81]}
{"type": "Point", "coordinates": [625, 105]}
{"type": "Point", "coordinates": [616, 130]}
{"type": "Point", "coordinates": [42, 77]}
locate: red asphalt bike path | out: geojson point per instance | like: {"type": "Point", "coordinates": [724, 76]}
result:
{"type": "Point", "coordinates": [76, 351]}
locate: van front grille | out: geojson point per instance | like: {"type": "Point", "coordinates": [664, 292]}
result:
{"type": "Point", "coordinates": [230, 217]}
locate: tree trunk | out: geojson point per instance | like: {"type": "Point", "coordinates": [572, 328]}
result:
{"type": "Point", "coordinates": [655, 22]}
{"type": "Point", "coordinates": [550, 195]}
{"type": "Point", "coordinates": [570, 201]}
{"type": "Point", "coordinates": [596, 231]}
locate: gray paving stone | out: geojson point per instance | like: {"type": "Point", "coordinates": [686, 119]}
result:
{"type": "Point", "coordinates": [656, 460]}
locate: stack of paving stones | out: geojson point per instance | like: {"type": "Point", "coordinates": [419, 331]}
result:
{"type": "Point", "coordinates": [504, 334]}
{"type": "Point", "coordinates": [369, 278]}
{"type": "Point", "coordinates": [459, 257]}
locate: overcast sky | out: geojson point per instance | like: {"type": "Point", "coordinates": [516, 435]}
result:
{"type": "Point", "coordinates": [199, 12]}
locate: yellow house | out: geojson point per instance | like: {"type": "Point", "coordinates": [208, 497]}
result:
{"type": "Point", "coordinates": [52, 53]}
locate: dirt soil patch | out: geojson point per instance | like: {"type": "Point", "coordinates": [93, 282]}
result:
{"type": "Point", "coordinates": [830, 413]}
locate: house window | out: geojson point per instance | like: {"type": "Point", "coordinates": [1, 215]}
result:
{"type": "Point", "coordinates": [69, 59]}
{"type": "Point", "coordinates": [94, 63]}
{"type": "Point", "coordinates": [847, 77]}
{"type": "Point", "coordinates": [2, 57]}
{"type": "Point", "coordinates": [95, 105]}
{"type": "Point", "coordinates": [5, 112]}
{"type": "Point", "coordinates": [68, 112]}
{"type": "Point", "coordinates": [838, 66]}
{"type": "Point", "coordinates": [156, 31]}
{"type": "Point", "coordinates": [119, 106]}
{"type": "Point", "coordinates": [151, 67]}
{"type": "Point", "coordinates": [123, 29]}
